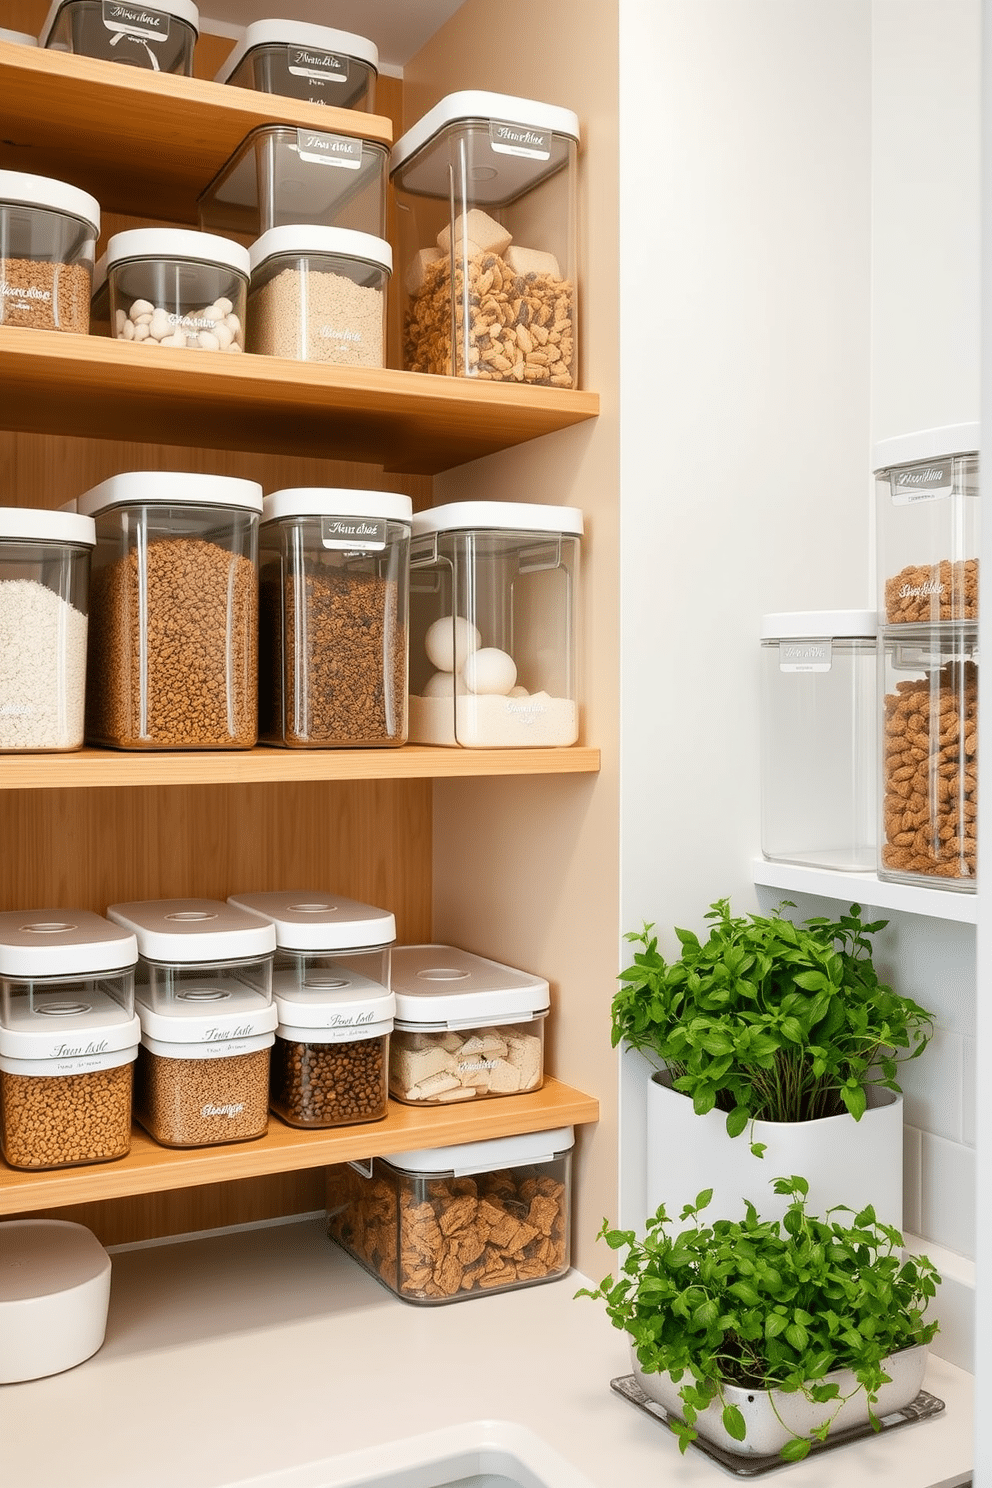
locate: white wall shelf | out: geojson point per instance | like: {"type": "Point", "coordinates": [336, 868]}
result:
{"type": "Point", "coordinates": [867, 889]}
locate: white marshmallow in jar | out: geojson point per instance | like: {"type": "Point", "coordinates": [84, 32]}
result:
{"type": "Point", "coordinates": [178, 288]}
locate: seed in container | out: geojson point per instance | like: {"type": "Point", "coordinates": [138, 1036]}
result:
{"type": "Point", "coordinates": [215, 327]}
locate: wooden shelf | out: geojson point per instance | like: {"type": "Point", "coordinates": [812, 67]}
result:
{"type": "Point", "coordinates": [55, 383]}
{"type": "Point", "coordinates": [145, 144]}
{"type": "Point", "coordinates": [869, 890]}
{"type": "Point", "coordinates": [149, 1168]}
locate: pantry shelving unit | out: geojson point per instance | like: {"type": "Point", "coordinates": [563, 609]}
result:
{"type": "Point", "coordinates": [867, 889]}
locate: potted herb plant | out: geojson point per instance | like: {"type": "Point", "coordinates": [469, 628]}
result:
{"type": "Point", "coordinates": [763, 1336]}
{"type": "Point", "coordinates": [780, 1030]}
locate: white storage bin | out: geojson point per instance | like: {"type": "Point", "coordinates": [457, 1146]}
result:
{"type": "Point", "coordinates": [54, 1296]}
{"type": "Point", "coordinates": [48, 233]}
{"type": "Point", "coordinates": [160, 37]}
{"type": "Point", "coordinates": [171, 287]}
{"type": "Point", "coordinates": [299, 60]}
{"type": "Point", "coordinates": [318, 294]}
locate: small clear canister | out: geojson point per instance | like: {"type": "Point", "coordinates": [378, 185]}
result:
{"type": "Point", "coordinates": [48, 233]}
{"type": "Point", "coordinates": [300, 60]}
{"type": "Point", "coordinates": [160, 37]}
{"type": "Point", "coordinates": [318, 294]}
{"type": "Point", "coordinates": [171, 287]}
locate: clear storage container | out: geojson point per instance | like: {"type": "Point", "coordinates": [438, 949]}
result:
{"type": "Point", "coordinates": [318, 294]}
{"type": "Point", "coordinates": [927, 514]}
{"type": "Point", "coordinates": [160, 37]}
{"type": "Point", "coordinates": [819, 739]}
{"type": "Point", "coordinates": [44, 603]}
{"type": "Point", "coordinates": [485, 195]}
{"type": "Point", "coordinates": [457, 1222]}
{"type": "Point", "coordinates": [331, 988]}
{"type": "Point", "coordinates": [466, 1028]}
{"type": "Point", "coordinates": [173, 656]}
{"type": "Point", "coordinates": [172, 287]}
{"type": "Point", "coordinates": [281, 177]}
{"type": "Point", "coordinates": [48, 233]}
{"type": "Point", "coordinates": [204, 999]}
{"type": "Point", "coordinates": [68, 1038]}
{"type": "Point", "coordinates": [333, 623]}
{"type": "Point", "coordinates": [299, 60]}
{"type": "Point", "coordinates": [493, 642]}
{"type": "Point", "coordinates": [929, 784]}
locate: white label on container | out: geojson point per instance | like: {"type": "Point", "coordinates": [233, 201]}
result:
{"type": "Point", "coordinates": [804, 656]}
{"type": "Point", "coordinates": [136, 20]}
{"type": "Point", "coordinates": [516, 139]}
{"type": "Point", "coordinates": [922, 482]}
{"type": "Point", "coordinates": [329, 149]}
{"type": "Point", "coordinates": [310, 64]}
{"type": "Point", "coordinates": [354, 534]}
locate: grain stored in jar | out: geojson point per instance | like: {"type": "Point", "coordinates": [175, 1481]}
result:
{"type": "Point", "coordinates": [318, 294]}
{"type": "Point", "coordinates": [466, 1028]}
{"type": "Point", "coordinates": [485, 190]}
{"type": "Point", "coordinates": [173, 654]}
{"type": "Point", "coordinates": [204, 1000]}
{"type": "Point", "coordinates": [160, 37]}
{"type": "Point", "coordinates": [334, 609]}
{"type": "Point", "coordinates": [48, 233]}
{"type": "Point", "coordinates": [68, 1038]}
{"type": "Point", "coordinates": [331, 989]}
{"type": "Point", "coordinates": [458, 1222]}
{"type": "Point", "coordinates": [172, 287]}
{"type": "Point", "coordinates": [493, 632]}
{"type": "Point", "coordinates": [299, 60]}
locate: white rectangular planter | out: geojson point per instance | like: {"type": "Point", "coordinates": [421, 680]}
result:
{"type": "Point", "coordinates": [845, 1161]}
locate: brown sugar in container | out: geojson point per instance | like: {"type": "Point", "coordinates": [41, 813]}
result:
{"type": "Point", "coordinates": [48, 233]}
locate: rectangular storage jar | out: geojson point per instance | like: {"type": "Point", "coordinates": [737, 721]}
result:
{"type": "Point", "coordinates": [160, 37]}
{"type": "Point", "coordinates": [68, 1038]}
{"type": "Point", "coordinates": [204, 999]}
{"type": "Point", "coordinates": [299, 60]}
{"type": "Point", "coordinates": [318, 294]}
{"type": "Point", "coordinates": [467, 1028]}
{"type": "Point", "coordinates": [48, 233]}
{"type": "Point", "coordinates": [458, 1222]}
{"type": "Point", "coordinates": [173, 653]}
{"type": "Point", "coordinates": [819, 703]}
{"type": "Point", "coordinates": [493, 625]}
{"type": "Point", "coordinates": [485, 195]}
{"type": "Point", "coordinates": [171, 287]}
{"type": "Point", "coordinates": [928, 526]}
{"type": "Point", "coordinates": [281, 176]}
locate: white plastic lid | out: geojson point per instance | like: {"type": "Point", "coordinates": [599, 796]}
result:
{"type": "Point", "coordinates": [20, 38]}
{"type": "Point", "coordinates": [785, 626]}
{"type": "Point", "coordinates": [488, 1156]}
{"type": "Point", "coordinates": [38, 943]}
{"type": "Point", "coordinates": [214, 1024]}
{"type": "Point", "coordinates": [182, 10]}
{"type": "Point", "coordinates": [192, 931]}
{"type": "Point", "coordinates": [53, 196]}
{"type": "Point", "coordinates": [307, 920]}
{"type": "Point", "coordinates": [61, 1025]}
{"type": "Point", "coordinates": [925, 444]}
{"type": "Point", "coordinates": [336, 242]}
{"type": "Point", "coordinates": [220, 1048]}
{"type": "Point", "coordinates": [46, 1257]}
{"type": "Point", "coordinates": [441, 985]}
{"type": "Point", "coordinates": [27, 524]}
{"type": "Point", "coordinates": [327, 501]}
{"type": "Point", "coordinates": [299, 33]}
{"type": "Point", "coordinates": [177, 242]}
{"type": "Point", "coordinates": [331, 999]}
{"type": "Point", "coordinates": [508, 516]}
{"type": "Point", "coordinates": [458, 108]}
{"type": "Point", "coordinates": [173, 488]}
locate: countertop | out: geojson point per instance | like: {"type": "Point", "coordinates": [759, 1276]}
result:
{"type": "Point", "coordinates": [234, 1355]}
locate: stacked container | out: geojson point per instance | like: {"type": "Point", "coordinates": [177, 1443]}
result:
{"type": "Point", "coordinates": [160, 37]}
{"type": "Point", "coordinates": [48, 233]}
{"type": "Point", "coordinates": [299, 60]}
{"type": "Point", "coordinates": [204, 999]}
{"type": "Point", "coordinates": [928, 514]}
{"type": "Point", "coordinates": [68, 1038]}
{"type": "Point", "coordinates": [335, 1009]}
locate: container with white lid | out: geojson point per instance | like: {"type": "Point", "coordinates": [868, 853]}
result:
{"type": "Point", "coordinates": [466, 1027]}
{"type": "Point", "coordinates": [928, 513]}
{"type": "Point", "coordinates": [493, 625]}
{"type": "Point", "coordinates": [54, 1296]}
{"type": "Point", "coordinates": [485, 191]}
{"type": "Point", "coordinates": [48, 233]}
{"type": "Point", "coordinates": [318, 294]}
{"type": "Point", "coordinates": [173, 287]}
{"type": "Point", "coordinates": [204, 999]}
{"type": "Point", "coordinates": [68, 1037]}
{"type": "Point", "coordinates": [160, 37]}
{"type": "Point", "coordinates": [300, 60]}
{"type": "Point", "coordinates": [818, 739]}
{"type": "Point", "coordinates": [173, 660]}
{"type": "Point", "coordinates": [18, 38]}
{"type": "Point", "coordinates": [281, 176]}
{"type": "Point", "coordinates": [445, 1224]}
{"type": "Point", "coordinates": [44, 604]}
{"type": "Point", "coordinates": [334, 609]}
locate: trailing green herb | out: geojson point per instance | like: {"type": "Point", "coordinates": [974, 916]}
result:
{"type": "Point", "coordinates": [768, 1305]}
{"type": "Point", "coordinates": [770, 1020]}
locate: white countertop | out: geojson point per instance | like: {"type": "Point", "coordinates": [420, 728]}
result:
{"type": "Point", "coordinates": [236, 1355]}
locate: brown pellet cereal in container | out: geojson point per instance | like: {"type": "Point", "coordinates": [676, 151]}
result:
{"type": "Point", "coordinates": [928, 519]}
{"type": "Point", "coordinates": [48, 232]}
{"type": "Point", "coordinates": [173, 654]}
{"type": "Point", "coordinates": [318, 1084]}
{"type": "Point", "coordinates": [61, 1121]}
{"type": "Point", "coordinates": [445, 1225]}
{"type": "Point", "coordinates": [198, 1101]}
{"type": "Point", "coordinates": [930, 757]}
{"type": "Point", "coordinates": [319, 294]}
{"type": "Point", "coordinates": [333, 622]}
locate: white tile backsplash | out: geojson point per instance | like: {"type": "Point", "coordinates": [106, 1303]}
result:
{"type": "Point", "coordinates": [932, 1087]}
{"type": "Point", "coordinates": [932, 961]}
{"type": "Point", "coordinates": [911, 1164]}
{"type": "Point", "coordinates": [968, 1078]}
{"type": "Point", "coordinates": [947, 1193]}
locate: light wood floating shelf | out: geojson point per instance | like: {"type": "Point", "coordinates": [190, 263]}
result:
{"type": "Point", "coordinates": [145, 144]}
{"type": "Point", "coordinates": [149, 1168]}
